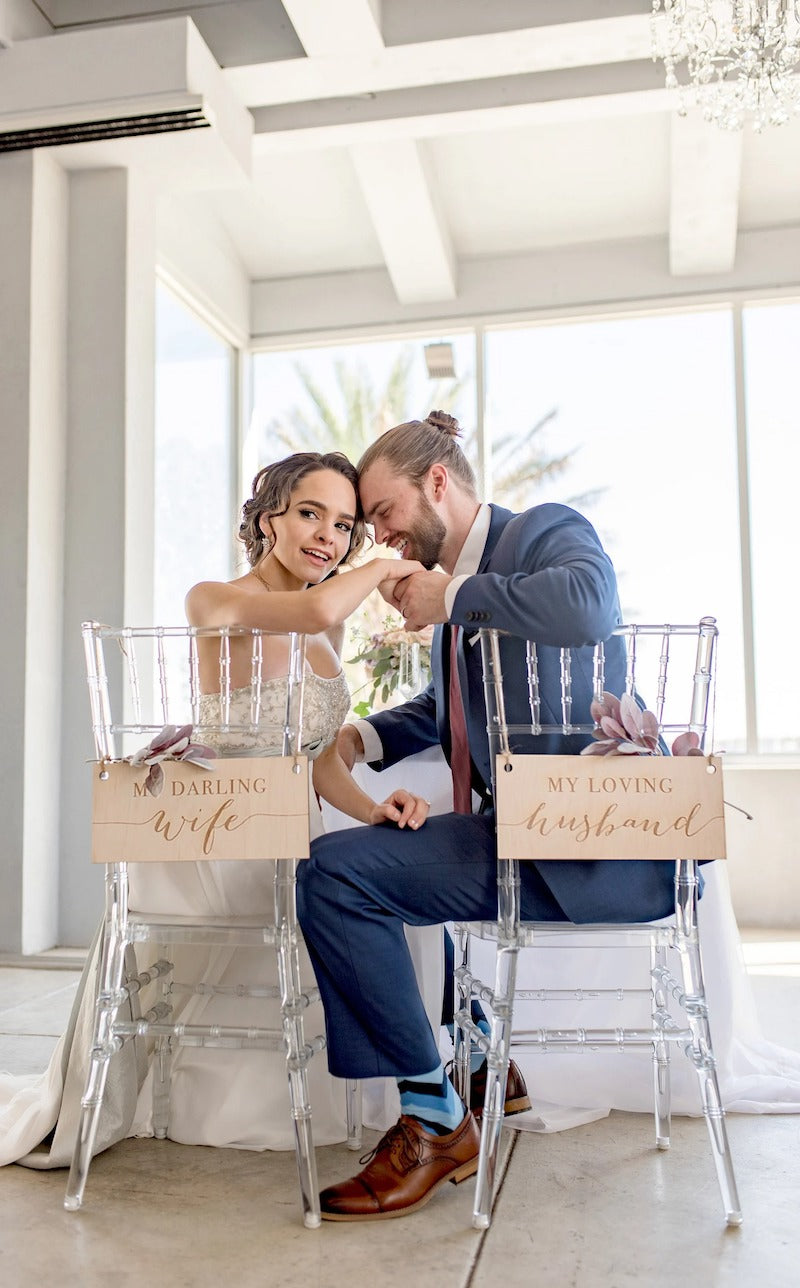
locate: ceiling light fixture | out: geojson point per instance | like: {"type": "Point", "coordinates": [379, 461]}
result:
{"type": "Point", "coordinates": [740, 57]}
{"type": "Point", "coordinates": [440, 361]}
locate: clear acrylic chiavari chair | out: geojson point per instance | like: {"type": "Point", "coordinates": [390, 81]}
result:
{"type": "Point", "coordinates": [142, 681]}
{"type": "Point", "coordinates": [676, 665]}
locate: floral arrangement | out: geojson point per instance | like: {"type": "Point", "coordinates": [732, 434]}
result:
{"type": "Point", "coordinates": [174, 742]}
{"type": "Point", "coordinates": [384, 655]}
{"type": "Point", "coordinates": [624, 729]}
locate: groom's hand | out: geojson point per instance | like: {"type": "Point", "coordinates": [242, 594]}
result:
{"type": "Point", "coordinates": [420, 598]}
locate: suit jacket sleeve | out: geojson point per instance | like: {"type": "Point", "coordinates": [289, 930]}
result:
{"type": "Point", "coordinates": [548, 579]}
{"type": "Point", "coordinates": [406, 729]}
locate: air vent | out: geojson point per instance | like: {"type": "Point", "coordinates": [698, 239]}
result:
{"type": "Point", "coordinates": [118, 127]}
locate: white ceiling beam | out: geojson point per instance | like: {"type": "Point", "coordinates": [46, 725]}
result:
{"type": "Point", "coordinates": [338, 28]}
{"type": "Point", "coordinates": [442, 62]}
{"type": "Point", "coordinates": [401, 197]}
{"type": "Point", "coordinates": [706, 168]}
{"type": "Point", "coordinates": [304, 134]}
{"type": "Point", "coordinates": [21, 20]}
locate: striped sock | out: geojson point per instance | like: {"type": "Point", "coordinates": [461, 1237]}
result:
{"type": "Point", "coordinates": [431, 1099]}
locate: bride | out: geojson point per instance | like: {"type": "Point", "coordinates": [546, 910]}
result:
{"type": "Point", "coordinates": [302, 521]}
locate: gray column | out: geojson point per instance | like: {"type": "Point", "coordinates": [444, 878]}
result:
{"type": "Point", "coordinates": [108, 544]}
{"type": "Point", "coordinates": [77, 283]}
{"type": "Point", "coordinates": [33, 222]}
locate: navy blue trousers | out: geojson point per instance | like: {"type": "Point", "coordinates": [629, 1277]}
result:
{"type": "Point", "coordinates": [353, 897]}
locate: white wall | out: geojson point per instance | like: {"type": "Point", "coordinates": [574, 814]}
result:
{"type": "Point", "coordinates": [572, 279]}
{"type": "Point", "coordinates": [198, 258]}
{"type": "Point", "coordinates": [764, 855]}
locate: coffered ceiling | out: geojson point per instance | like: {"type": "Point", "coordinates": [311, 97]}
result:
{"type": "Point", "coordinates": [419, 136]}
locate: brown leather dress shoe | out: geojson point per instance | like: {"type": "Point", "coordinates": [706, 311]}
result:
{"type": "Point", "coordinates": [403, 1171]}
{"type": "Point", "coordinates": [517, 1099]}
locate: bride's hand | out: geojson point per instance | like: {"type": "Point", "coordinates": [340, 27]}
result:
{"type": "Point", "coordinates": [403, 808]}
{"type": "Point", "coordinates": [395, 569]}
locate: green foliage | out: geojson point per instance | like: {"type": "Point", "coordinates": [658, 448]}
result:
{"type": "Point", "coordinates": [382, 656]}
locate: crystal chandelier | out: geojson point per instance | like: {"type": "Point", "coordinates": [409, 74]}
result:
{"type": "Point", "coordinates": [740, 57]}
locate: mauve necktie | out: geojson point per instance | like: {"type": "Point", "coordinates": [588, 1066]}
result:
{"type": "Point", "coordinates": [460, 766]}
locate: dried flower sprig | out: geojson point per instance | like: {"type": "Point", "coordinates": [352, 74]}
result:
{"type": "Point", "coordinates": [626, 729]}
{"type": "Point", "coordinates": [173, 742]}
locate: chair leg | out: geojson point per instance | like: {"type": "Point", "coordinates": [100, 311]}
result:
{"type": "Point", "coordinates": [462, 998]}
{"type": "Point", "coordinates": [298, 1052]}
{"type": "Point", "coordinates": [355, 1117]}
{"type": "Point", "coordinates": [162, 1071]}
{"type": "Point", "coordinates": [701, 1054]}
{"type": "Point", "coordinates": [496, 1077]}
{"type": "Point", "coordinates": [109, 997]}
{"type": "Point", "coordinates": [304, 1146]}
{"type": "Point", "coordinates": [662, 1091]}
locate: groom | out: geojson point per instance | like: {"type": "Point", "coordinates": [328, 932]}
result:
{"type": "Point", "coordinates": [539, 575]}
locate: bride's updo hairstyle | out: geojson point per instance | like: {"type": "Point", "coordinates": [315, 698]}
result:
{"type": "Point", "coordinates": [412, 448]}
{"type": "Point", "coordinates": [272, 492]}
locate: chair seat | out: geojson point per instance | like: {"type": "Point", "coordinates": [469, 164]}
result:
{"type": "Point", "coordinates": [572, 935]}
{"type": "Point", "coordinates": [244, 932]}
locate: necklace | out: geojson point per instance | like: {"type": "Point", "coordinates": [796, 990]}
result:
{"type": "Point", "coordinates": [263, 580]}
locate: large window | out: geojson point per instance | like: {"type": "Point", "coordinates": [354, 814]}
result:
{"type": "Point", "coordinates": [339, 398]}
{"type": "Point", "coordinates": [195, 455]}
{"type": "Point", "coordinates": [771, 346]}
{"type": "Point", "coordinates": [633, 420]}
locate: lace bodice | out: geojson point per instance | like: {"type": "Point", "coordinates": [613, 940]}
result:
{"type": "Point", "coordinates": [326, 702]}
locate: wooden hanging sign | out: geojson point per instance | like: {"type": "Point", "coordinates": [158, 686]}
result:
{"type": "Point", "coordinates": [610, 807]}
{"type": "Point", "coordinates": [244, 808]}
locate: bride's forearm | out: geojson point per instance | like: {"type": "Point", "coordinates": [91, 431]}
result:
{"type": "Point", "coordinates": [318, 608]}
{"type": "Point", "coordinates": [334, 600]}
{"type": "Point", "coordinates": [335, 784]}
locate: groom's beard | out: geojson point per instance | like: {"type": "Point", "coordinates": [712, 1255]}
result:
{"type": "Point", "coordinates": [427, 535]}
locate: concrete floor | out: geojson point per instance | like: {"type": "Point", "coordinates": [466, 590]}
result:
{"type": "Point", "coordinates": [598, 1205]}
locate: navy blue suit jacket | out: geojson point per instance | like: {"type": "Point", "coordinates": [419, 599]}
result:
{"type": "Point", "coordinates": [543, 576]}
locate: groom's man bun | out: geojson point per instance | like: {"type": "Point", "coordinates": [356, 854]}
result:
{"type": "Point", "coordinates": [413, 447]}
{"type": "Point", "coordinates": [445, 422]}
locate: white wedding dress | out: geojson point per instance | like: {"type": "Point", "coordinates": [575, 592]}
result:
{"type": "Point", "coordinates": [219, 1096]}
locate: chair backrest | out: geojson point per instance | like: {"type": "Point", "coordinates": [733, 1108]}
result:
{"type": "Point", "coordinates": [142, 678]}
{"type": "Point", "coordinates": [547, 806]}
{"type": "Point", "coordinates": [669, 669]}
{"type": "Point", "coordinates": [225, 708]}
